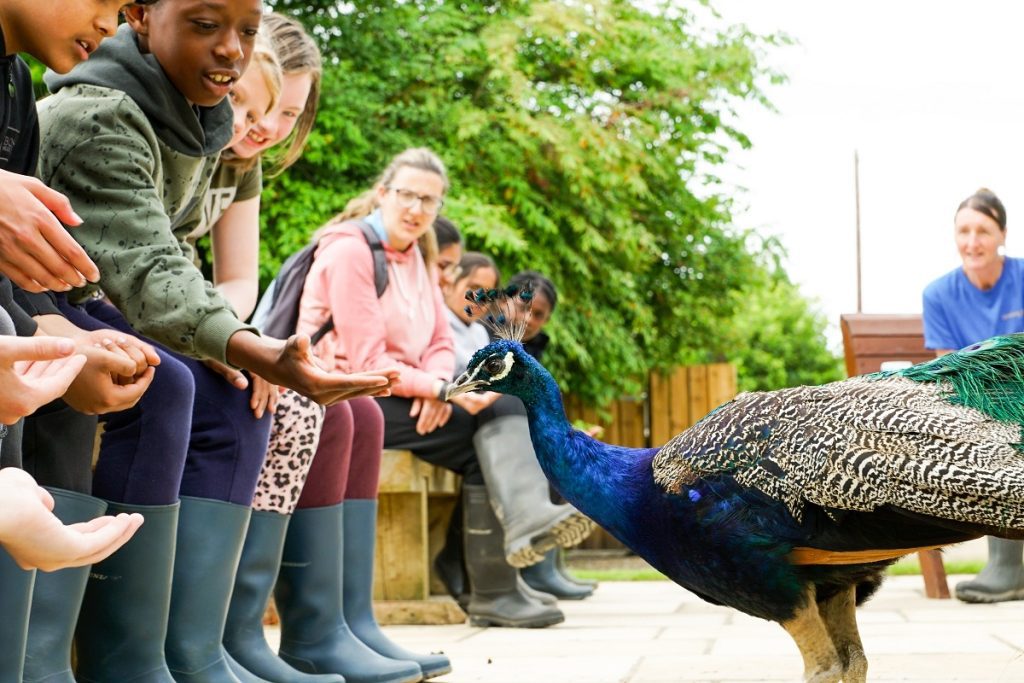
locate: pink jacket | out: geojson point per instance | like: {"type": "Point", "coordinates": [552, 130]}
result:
{"type": "Point", "coordinates": [406, 327]}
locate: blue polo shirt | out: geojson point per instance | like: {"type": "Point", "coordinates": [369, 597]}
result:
{"type": "Point", "coordinates": [958, 314]}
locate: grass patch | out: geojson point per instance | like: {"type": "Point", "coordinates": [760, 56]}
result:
{"type": "Point", "coordinates": [905, 567]}
{"type": "Point", "coordinates": [619, 574]}
{"type": "Point", "coordinates": [909, 566]}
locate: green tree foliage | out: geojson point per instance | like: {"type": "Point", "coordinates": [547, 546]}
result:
{"type": "Point", "coordinates": [777, 338]}
{"type": "Point", "coordinates": [581, 138]}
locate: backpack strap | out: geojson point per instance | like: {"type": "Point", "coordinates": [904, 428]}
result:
{"type": "Point", "coordinates": [380, 263]}
{"type": "Point", "coordinates": [380, 272]}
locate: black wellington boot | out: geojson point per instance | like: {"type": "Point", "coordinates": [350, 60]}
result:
{"type": "Point", "coordinates": [243, 633]}
{"type": "Point", "coordinates": [210, 537]}
{"type": "Point", "coordinates": [563, 569]}
{"type": "Point", "coordinates": [57, 599]}
{"type": "Point", "coordinates": [123, 622]}
{"type": "Point", "coordinates": [15, 603]}
{"type": "Point", "coordinates": [496, 599]}
{"type": "Point", "coordinates": [315, 637]}
{"type": "Point", "coordinates": [544, 576]}
{"type": "Point", "coordinates": [360, 538]}
{"type": "Point", "coordinates": [449, 563]}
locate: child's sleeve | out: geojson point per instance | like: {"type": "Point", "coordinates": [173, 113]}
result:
{"type": "Point", "coordinates": [101, 154]}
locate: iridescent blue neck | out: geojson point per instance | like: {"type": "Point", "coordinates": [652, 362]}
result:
{"type": "Point", "coordinates": [601, 480]}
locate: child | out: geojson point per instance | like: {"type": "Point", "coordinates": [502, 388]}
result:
{"type": "Point", "coordinates": [296, 430]}
{"type": "Point", "coordinates": [133, 137]}
{"type": "Point", "coordinates": [38, 254]}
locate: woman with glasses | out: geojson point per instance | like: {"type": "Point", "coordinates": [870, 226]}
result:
{"type": "Point", "coordinates": [407, 327]}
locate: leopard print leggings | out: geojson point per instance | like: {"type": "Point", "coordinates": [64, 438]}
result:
{"type": "Point", "coordinates": [294, 436]}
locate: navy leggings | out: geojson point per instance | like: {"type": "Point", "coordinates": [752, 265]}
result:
{"type": "Point", "coordinates": [190, 434]}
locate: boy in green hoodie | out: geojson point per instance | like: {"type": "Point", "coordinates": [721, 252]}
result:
{"type": "Point", "coordinates": [132, 137]}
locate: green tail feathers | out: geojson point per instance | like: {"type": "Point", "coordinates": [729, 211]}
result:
{"type": "Point", "coordinates": [987, 376]}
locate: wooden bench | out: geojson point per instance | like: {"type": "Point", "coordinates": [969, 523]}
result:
{"type": "Point", "coordinates": [870, 339]}
{"type": "Point", "coordinates": [415, 503]}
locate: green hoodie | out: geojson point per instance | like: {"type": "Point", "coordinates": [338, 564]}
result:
{"type": "Point", "coordinates": [134, 157]}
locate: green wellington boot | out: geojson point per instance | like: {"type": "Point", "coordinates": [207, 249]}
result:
{"type": "Point", "coordinates": [360, 538]}
{"type": "Point", "coordinates": [123, 622]}
{"type": "Point", "coordinates": [1002, 577]}
{"type": "Point", "coordinates": [310, 599]}
{"type": "Point", "coordinates": [57, 599]}
{"type": "Point", "coordinates": [210, 537]}
{"type": "Point", "coordinates": [15, 604]}
{"type": "Point", "coordinates": [244, 639]}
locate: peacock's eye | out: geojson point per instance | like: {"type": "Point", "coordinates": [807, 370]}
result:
{"type": "Point", "coordinates": [494, 365]}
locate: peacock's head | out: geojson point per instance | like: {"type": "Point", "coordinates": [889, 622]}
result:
{"type": "Point", "coordinates": [500, 366]}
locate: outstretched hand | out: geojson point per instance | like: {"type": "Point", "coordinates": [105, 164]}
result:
{"type": "Point", "coordinates": [33, 372]}
{"type": "Point", "coordinates": [36, 252]}
{"type": "Point", "coordinates": [291, 364]}
{"type": "Point", "coordinates": [35, 538]}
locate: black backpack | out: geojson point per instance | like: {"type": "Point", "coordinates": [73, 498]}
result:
{"type": "Point", "coordinates": [279, 308]}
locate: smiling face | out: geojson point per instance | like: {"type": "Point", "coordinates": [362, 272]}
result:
{"type": "Point", "coordinates": [278, 123]}
{"type": "Point", "coordinates": [204, 46]}
{"type": "Point", "coordinates": [455, 295]}
{"type": "Point", "coordinates": [978, 239]}
{"type": "Point", "coordinates": [405, 223]}
{"type": "Point", "coordinates": [250, 101]}
{"type": "Point", "coordinates": [58, 34]}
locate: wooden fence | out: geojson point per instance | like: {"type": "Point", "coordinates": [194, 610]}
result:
{"type": "Point", "coordinates": [672, 403]}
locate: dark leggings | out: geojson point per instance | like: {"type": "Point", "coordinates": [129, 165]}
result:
{"type": "Point", "coordinates": [450, 446]}
{"type": "Point", "coordinates": [191, 433]}
{"type": "Point", "coordinates": [347, 461]}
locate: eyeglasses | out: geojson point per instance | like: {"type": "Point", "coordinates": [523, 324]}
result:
{"type": "Point", "coordinates": [408, 199]}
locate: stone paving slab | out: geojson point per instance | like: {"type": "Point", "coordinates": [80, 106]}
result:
{"type": "Point", "coordinates": [656, 632]}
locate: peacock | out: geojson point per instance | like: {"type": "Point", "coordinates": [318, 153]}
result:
{"type": "Point", "coordinates": [789, 505]}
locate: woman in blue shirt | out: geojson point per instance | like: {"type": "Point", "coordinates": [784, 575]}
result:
{"type": "Point", "coordinates": [982, 298]}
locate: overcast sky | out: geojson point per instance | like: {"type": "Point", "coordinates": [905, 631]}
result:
{"type": "Point", "coordinates": [931, 94]}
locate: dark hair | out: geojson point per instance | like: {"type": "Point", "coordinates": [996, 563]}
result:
{"type": "Point", "coordinates": [446, 232]}
{"type": "Point", "coordinates": [985, 201]}
{"type": "Point", "coordinates": [539, 283]}
{"type": "Point", "coordinates": [473, 261]}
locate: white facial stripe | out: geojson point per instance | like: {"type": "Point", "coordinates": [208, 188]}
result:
{"type": "Point", "coordinates": [509, 360]}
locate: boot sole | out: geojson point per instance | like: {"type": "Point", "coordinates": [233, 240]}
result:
{"type": "Point", "coordinates": [979, 597]}
{"type": "Point", "coordinates": [484, 622]}
{"type": "Point", "coordinates": [567, 533]}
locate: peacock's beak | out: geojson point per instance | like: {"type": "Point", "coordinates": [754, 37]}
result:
{"type": "Point", "coordinates": [464, 383]}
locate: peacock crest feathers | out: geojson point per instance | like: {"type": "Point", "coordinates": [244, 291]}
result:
{"type": "Point", "coordinates": [915, 439]}
{"type": "Point", "coordinates": [503, 311]}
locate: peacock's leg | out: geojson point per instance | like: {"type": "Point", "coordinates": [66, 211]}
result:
{"type": "Point", "coordinates": [807, 629]}
{"type": "Point", "coordinates": [840, 616]}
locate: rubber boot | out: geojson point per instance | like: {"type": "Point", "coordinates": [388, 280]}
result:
{"type": "Point", "coordinates": [532, 524]}
{"type": "Point", "coordinates": [544, 576]}
{"type": "Point", "coordinates": [563, 569]}
{"type": "Point", "coordinates": [210, 537]}
{"type": "Point", "coordinates": [244, 640]}
{"type": "Point", "coordinates": [495, 599]}
{"type": "Point", "coordinates": [123, 622]}
{"type": "Point", "coordinates": [57, 599]}
{"type": "Point", "coordinates": [360, 538]}
{"type": "Point", "coordinates": [15, 605]}
{"type": "Point", "coordinates": [315, 637]}
{"type": "Point", "coordinates": [449, 564]}
{"type": "Point", "coordinates": [541, 596]}
{"type": "Point", "coordinates": [1001, 579]}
